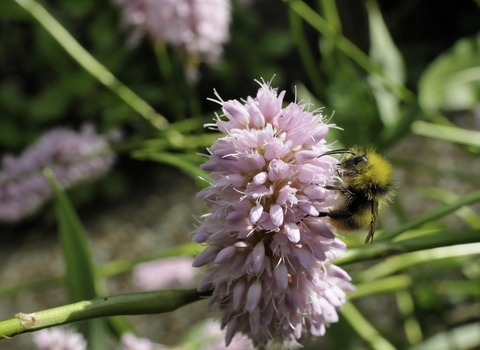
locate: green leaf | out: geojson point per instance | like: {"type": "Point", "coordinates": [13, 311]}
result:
{"type": "Point", "coordinates": [446, 133]}
{"type": "Point", "coordinates": [384, 52]}
{"type": "Point", "coordinates": [348, 94]}
{"type": "Point", "coordinates": [381, 286]}
{"type": "Point", "coordinates": [433, 215]}
{"type": "Point", "coordinates": [364, 328]}
{"type": "Point", "coordinates": [401, 262]}
{"type": "Point", "coordinates": [433, 240]}
{"type": "Point", "coordinates": [460, 338]}
{"type": "Point", "coordinates": [452, 81]}
{"type": "Point", "coordinates": [80, 276]}
{"type": "Point", "coordinates": [466, 213]}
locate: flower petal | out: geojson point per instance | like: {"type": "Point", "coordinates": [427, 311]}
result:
{"type": "Point", "coordinates": [292, 231]}
{"type": "Point", "coordinates": [253, 296]}
{"type": "Point", "coordinates": [276, 215]}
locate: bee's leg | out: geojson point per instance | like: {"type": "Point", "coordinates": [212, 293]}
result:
{"type": "Point", "coordinates": [343, 190]}
{"type": "Point", "coordinates": [371, 232]}
{"type": "Point", "coordinates": [334, 188]}
{"type": "Point", "coordinates": [339, 214]}
{"type": "Point", "coordinates": [373, 223]}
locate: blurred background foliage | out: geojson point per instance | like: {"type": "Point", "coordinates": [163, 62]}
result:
{"type": "Point", "coordinates": [403, 76]}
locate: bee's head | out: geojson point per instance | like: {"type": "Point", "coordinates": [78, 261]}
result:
{"type": "Point", "coordinates": [354, 162]}
{"type": "Point", "coordinates": [355, 158]}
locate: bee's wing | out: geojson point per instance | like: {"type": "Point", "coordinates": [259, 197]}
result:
{"type": "Point", "coordinates": [373, 222]}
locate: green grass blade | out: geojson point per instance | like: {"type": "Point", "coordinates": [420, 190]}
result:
{"type": "Point", "coordinates": [433, 240]}
{"type": "Point", "coordinates": [431, 216]}
{"type": "Point", "coordinates": [401, 262]}
{"type": "Point", "coordinates": [364, 328]}
{"type": "Point", "coordinates": [384, 51]}
{"type": "Point", "coordinates": [80, 276]}
{"type": "Point", "coordinates": [447, 133]}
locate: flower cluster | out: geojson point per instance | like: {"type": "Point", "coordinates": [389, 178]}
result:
{"type": "Point", "coordinates": [197, 27]}
{"type": "Point", "coordinates": [73, 158]}
{"type": "Point", "coordinates": [268, 252]}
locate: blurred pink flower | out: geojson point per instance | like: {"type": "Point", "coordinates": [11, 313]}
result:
{"type": "Point", "coordinates": [197, 27]}
{"type": "Point", "coordinates": [59, 338]}
{"type": "Point", "coordinates": [131, 342]}
{"type": "Point", "coordinates": [267, 250]}
{"type": "Point", "coordinates": [165, 273]}
{"type": "Point", "coordinates": [73, 157]}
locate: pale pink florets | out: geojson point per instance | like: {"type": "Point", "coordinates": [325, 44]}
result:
{"type": "Point", "coordinates": [59, 338]}
{"type": "Point", "coordinates": [165, 273]}
{"type": "Point", "coordinates": [130, 341]}
{"type": "Point", "coordinates": [73, 157]}
{"type": "Point", "coordinates": [267, 249]}
{"type": "Point", "coordinates": [199, 27]}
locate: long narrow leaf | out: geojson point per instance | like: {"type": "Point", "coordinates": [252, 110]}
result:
{"type": "Point", "coordinates": [80, 276]}
{"type": "Point", "coordinates": [452, 81]}
{"type": "Point", "coordinates": [364, 329]}
{"type": "Point", "coordinates": [385, 53]}
{"type": "Point", "coordinates": [466, 213]}
{"type": "Point", "coordinates": [431, 216]}
{"type": "Point", "coordinates": [460, 338]}
{"type": "Point", "coordinates": [401, 262]}
{"type": "Point", "coordinates": [382, 286]}
{"type": "Point", "coordinates": [433, 240]}
{"type": "Point", "coordinates": [446, 133]}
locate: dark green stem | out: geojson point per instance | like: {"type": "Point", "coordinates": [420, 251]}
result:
{"type": "Point", "coordinates": [126, 304]}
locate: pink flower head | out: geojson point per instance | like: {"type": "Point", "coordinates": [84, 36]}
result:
{"type": "Point", "coordinates": [197, 27]}
{"type": "Point", "coordinates": [73, 157]}
{"type": "Point", "coordinates": [165, 273]}
{"type": "Point", "coordinates": [59, 338]}
{"type": "Point", "coordinates": [267, 249]}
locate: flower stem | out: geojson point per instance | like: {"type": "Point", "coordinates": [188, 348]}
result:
{"type": "Point", "coordinates": [126, 304]}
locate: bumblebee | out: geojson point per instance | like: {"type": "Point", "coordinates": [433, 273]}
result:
{"type": "Point", "coordinates": [365, 184]}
